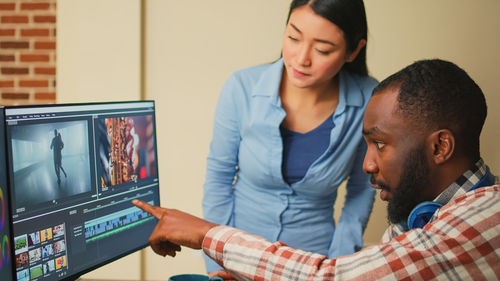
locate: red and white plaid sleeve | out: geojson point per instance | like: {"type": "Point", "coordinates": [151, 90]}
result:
{"type": "Point", "coordinates": [463, 243]}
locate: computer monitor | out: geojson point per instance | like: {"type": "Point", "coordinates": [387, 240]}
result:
{"type": "Point", "coordinates": [73, 170]}
{"type": "Point", "coordinates": [6, 261]}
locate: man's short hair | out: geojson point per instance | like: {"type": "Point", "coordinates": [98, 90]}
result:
{"type": "Point", "coordinates": [437, 94]}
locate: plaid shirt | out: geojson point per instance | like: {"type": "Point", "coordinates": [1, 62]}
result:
{"type": "Point", "coordinates": [463, 184]}
{"type": "Point", "coordinates": [462, 242]}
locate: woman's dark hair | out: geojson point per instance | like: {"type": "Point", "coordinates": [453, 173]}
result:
{"type": "Point", "coordinates": [348, 15]}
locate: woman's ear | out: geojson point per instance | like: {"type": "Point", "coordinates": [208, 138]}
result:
{"type": "Point", "coordinates": [352, 56]}
{"type": "Point", "coordinates": [442, 146]}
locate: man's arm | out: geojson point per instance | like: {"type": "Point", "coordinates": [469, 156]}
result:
{"type": "Point", "coordinates": [461, 243]}
{"type": "Point", "coordinates": [176, 228]}
{"type": "Point", "coordinates": [250, 257]}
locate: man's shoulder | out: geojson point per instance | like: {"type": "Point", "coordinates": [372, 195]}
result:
{"type": "Point", "coordinates": [484, 200]}
{"type": "Point", "coordinates": [487, 191]}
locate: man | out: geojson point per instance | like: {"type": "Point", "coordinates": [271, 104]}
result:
{"type": "Point", "coordinates": [422, 128]}
{"type": "Point", "coordinates": [57, 145]}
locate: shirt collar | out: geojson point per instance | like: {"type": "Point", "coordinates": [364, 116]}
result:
{"type": "Point", "coordinates": [348, 84]}
{"type": "Point", "coordinates": [269, 84]}
{"type": "Point", "coordinates": [463, 184]}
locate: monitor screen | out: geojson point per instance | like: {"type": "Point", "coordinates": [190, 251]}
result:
{"type": "Point", "coordinates": [73, 171]}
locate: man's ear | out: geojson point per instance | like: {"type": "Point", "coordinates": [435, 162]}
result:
{"type": "Point", "coordinates": [442, 145]}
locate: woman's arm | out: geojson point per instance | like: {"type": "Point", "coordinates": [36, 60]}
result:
{"type": "Point", "coordinates": [348, 236]}
{"type": "Point", "coordinates": [222, 161]}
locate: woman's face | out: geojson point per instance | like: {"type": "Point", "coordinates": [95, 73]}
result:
{"type": "Point", "coordinates": [314, 49]}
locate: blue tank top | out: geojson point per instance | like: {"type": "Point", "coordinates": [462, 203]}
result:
{"type": "Point", "coordinates": [301, 150]}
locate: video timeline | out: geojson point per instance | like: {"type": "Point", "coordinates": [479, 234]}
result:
{"type": "Point", "coordinates": [115, 223]}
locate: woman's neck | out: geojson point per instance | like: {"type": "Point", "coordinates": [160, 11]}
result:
{"type": "Point", "coordinates": [311, 96]}
{"type": "Point", "coordinates": [306, 108]}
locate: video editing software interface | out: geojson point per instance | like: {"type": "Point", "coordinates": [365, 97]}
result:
{"type": "Point", "coordinates": [73, 171]}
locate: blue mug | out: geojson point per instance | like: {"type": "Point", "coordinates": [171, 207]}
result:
{"type": "Point", "coordinates": [194, 277]}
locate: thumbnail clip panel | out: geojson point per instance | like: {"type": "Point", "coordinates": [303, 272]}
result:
{"type": "Point", "coordinates": [41, 254]}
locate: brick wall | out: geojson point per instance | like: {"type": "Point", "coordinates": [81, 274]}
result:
{"type": "Point", "coordinates": [27, 51]}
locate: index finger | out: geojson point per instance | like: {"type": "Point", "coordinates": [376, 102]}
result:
{"type": "Point", "coordinates": [153, 210]}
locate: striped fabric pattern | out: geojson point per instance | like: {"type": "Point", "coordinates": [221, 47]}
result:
{"type": "Point", "coordinates": [461, 243]}
{"type": "Point", "coordinates": [458, 188]}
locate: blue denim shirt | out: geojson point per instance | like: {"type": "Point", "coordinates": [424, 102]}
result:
{"type": "Point", "coordinates": [244, 186]}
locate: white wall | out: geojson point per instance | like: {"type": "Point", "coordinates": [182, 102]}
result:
{"type": "Point", "coordinates": [191, 49]}
{"type": "Point", "coordinates": [193, 46]}
{"type": "Point", "coordinates": [464, 32]}
{"type": "Point", "coordinates": [98, 50]}
{"type": "Point", "coordinates": [98, 59]}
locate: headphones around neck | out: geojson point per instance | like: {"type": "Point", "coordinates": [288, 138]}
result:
{"type": "Point", "coordinates": [423, 212]}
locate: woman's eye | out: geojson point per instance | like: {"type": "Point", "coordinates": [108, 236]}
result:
{"type": "Point", "coordinates": [293, 38]}
{"type": "Point", "coordinates": [323, 52]}
{"type": "Point", "coordinates": [379, 145]}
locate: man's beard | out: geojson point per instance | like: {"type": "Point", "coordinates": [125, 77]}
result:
{"type": "Point", "coordinates": [414, 179]}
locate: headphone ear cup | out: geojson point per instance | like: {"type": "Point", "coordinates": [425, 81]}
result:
{"type": "Point", "coordinates": [422, 214]}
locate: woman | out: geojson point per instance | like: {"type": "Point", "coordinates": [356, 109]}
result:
{"type": "Point", "coordinates": [287, 134]}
